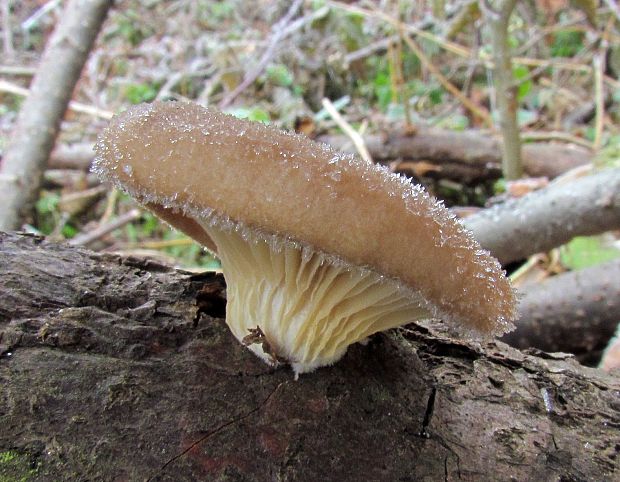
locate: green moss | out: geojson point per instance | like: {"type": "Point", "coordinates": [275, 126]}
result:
{"type": "Point", "coordinates": [16, 467]}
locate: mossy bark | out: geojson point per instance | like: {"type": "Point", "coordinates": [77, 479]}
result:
{"type": "Point", "coordinates": [118, 368]}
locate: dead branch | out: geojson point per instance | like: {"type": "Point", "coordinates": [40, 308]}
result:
{"type": "Point", "coordinates": [39, 119]}
{"type": "Point", "coordinates": [85, 239]}
{"type": "Point", "coordinates": [468, 156]}
{"type": "Point", "coordinates": [552, 216]}
{"type": "Point", "coordinates": [73, 105]}
{"type": "Point", "coordinates": [115, 368]}
{"type": "Point", "coordinates": [575, 312]}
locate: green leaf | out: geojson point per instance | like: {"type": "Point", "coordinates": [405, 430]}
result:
{"type": "Point", "coordinates": [567, 43]}
{"type": "Point", "coordinates": [383, 89]}
{"type": "Point", "coordinates": [521, 72]}
{"type": "Point", "coordinates": [609, 155]}
{"type": "Point", "coordinates": [69, 231]}
{"type": "Point", "coordinates": [589, 133]}
{"type": "Point", "coordinates": [280, 75]}
{"type": "Point", "coordinates": [139, 93]}
{"type": "Point", "coordinates": [251, 113]}
{"type": "Point", "coordinates": [47, 203]}
{"type": "Point", "coordinates": [585, 251]}
{"type": "Point", "coordinates": [149, 224]}
{"type": "Point", "coordinates": [435, 95]}
{"type": "Point", "coordinates": [499, 186]}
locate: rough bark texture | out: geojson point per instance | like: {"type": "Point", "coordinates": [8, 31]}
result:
{"type": "Point", "coordinates": [575, 312]}
{"type": "Point", "coordinates": [110, 371]}
{"type": "Point", "coordinates": [39, 119]}
{"type": "Point", "coordinates": [549, 217]}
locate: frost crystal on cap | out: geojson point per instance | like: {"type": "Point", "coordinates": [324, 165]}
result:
{"type": "Point", "coordinates": [270, 203]}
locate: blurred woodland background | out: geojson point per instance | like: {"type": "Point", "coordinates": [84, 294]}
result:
{"type": "Point", "coordinates": [508, 111]}
{"type": "Point", "coordinates": [114, 366]}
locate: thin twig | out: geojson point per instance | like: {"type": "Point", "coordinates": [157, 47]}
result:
{"type": "Point", "coordinates": [467, 53]}
{"type": "Point", "coordinates": [41, 12]}
{"type": "Point", "coordinates": [598, 63]}
{"type": "Point", "coordinates": [555, 136]}
{"type": "Point", "coordinates": [447, 45]}
{"type": "Point", "coordinates": [355, 137]}
{"type": "Point", "coordinates": [369, 49]}
{"type": "Point", "coordinates": [17, 70]}
{"type": "Point", "coordinates": [306, 19]}
{"type": "Point", "coordinates": [100, 231]}
{"type": "Point", "coordinates": [405, 32]}
{"type": "Point", "coordinates": [110, 206]}
{"type": "Point", "coordinates": [74, 106]}
{"type": "Point", "coordinates": [446, 84]}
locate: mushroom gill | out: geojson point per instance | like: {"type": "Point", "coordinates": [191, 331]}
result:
{"type": "Point", "coordinates": [319, 249]}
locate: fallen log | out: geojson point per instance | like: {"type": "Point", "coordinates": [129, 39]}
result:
{"type": "Point", "coordinates": [549, 217]}
{"type": "Point", "coordinates": [575, 312]}
{"type": "Point", "coordinates": [467, 156]}
{"type": "Point", "coordinates": [462, 156]}
{"type": "Point", "coordinates": [117, 368]}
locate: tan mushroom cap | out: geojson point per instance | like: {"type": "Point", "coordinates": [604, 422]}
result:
{"type": "Point", "coordinates": [188, 163]}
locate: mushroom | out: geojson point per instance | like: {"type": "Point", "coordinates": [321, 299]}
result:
{"type": "Point", "coordinates": [319, 248]}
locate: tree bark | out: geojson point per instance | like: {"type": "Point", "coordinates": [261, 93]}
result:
{"type": "Point", "coordinates": [575, 312]}
{"type": "Point", "coordinates": [467, 156]}
{"type": "Point", "coordinates": [119, 369]}
{"type": "Point", "coordinates": [39, 119]}
{"type": "Point", "coordinates": [547, 218]}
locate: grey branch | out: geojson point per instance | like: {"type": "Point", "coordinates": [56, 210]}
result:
{"type": "Point", "coordinates": [85, 239]}
{"type": "Point", "coordinates": [39, 120]}
{"type": "Point", "coordinates": [550, 217]}
{"type": "Point", "coordinates": [575, 312]}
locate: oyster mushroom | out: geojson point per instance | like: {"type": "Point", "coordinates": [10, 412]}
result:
{"type": "Point", "coordinates": [319, 249]}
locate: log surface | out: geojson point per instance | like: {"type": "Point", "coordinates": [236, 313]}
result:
{"type": "Point", "coordinates": [117, 368]}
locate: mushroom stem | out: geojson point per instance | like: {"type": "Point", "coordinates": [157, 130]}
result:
{"type": "Point", "coordinates": [308, 308]}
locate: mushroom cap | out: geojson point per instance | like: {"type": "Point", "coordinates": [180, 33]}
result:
{"type": "Point", "coordinates": [186, 162]}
